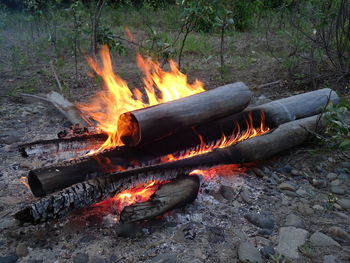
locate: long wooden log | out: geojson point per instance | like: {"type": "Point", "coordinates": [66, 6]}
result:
{"type": "Point", "coordinates": [46, 180]}
{"type": "Point", "coordinates": [149, 124]}
{"type": "Point", "coordinates": [57, 146]}
{"type": "Point", "coordinates": [177, 193]}
{"type": "Point", "coordinates": [49, 179]}
{"type": "Point", "coordinates": [83, 194]}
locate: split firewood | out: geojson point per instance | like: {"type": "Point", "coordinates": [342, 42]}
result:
{"type": "Point", "coordinates": [177, 193]}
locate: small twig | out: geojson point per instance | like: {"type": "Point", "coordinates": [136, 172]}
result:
{"type": "Point", "coordinates": [56, 76]}
{"type": "Point", "coordinates": [270, 84]}
{"type": "Point", "coordinates": [323, 110]}
{"type": "Point", "coordinates": [35, 96]}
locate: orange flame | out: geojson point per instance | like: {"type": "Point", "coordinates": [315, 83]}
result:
{"type": "Point", "coordinates": [222, 170]}
{"type": "Point", "coordinates": [160, 86]}
{"type": "Point", "coordinates": [236, 136]}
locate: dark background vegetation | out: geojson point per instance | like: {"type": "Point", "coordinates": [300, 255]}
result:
{"type": "Point", "coordinates": [298, 44]}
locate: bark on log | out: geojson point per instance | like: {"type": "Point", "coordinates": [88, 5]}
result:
{"type": "Point", "coordinates": [56, 146]}
{"type": "Point", "coordinates": [276, 113]}
{"type": "Point", "coordinates": [298, 106]}
{"type": "Point", "coordinates": [177, 193]}
{"type": "Point", "coordinates": [80, 195]}
{"type": "Point", "coordinates": [48, 179]}
{"type": "Point", "coordinates": [148, 124]}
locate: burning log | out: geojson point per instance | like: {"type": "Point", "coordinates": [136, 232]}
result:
{"type": "Point", "coordinates": [177, 193]}
{"type": "Point", "coordinates": [148, 124]}
{"type": "Point", "coordinates": [55, 146]}
{"type": "Point", "coordinates": [46, 180]}
{"type": "Point", "coordinates": [83, 194]}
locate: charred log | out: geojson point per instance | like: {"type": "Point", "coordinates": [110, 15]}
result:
{"type": "Point", "coordinates": [148, 124]}
{"type": "Point", "coordinates": [80, 195]}
{"type": "Point", "coordinates": [55, 146]}
{"type": "Point", "coordinates": [177, 193]}
{"type": "Point", "coordinates": [46, 180]}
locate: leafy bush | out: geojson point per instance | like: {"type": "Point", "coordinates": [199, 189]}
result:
{"type": "Point", "coordinates": [337, 131]}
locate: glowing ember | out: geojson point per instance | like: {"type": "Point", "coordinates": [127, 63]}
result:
{"type": "Point", "coordinates": [225, 141]}
{"type": "Point", "coordinates": [160, 86]}
{"type": "Point", "coordinates": [222, 170]}
{"type": "Point", "coordinates": [24, 181]}
{"type": "Point", "coordinates": [138, 194]}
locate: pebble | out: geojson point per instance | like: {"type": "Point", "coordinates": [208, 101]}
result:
{"type": "Point", "coordinates": [339, 233]}
{"type": "Point", "coordinates": [294, 220]}
{"type": "Point", "coordinates": [7, 222]}
{"type": "Point", "coordinates": [319, 239]}
{"type": "Point", "coordinates": [246, 196]}
{"type": "Point", "coordinates": [318, 183]}
{"type": "Point", "coordinates": [301, 192]}
{"type": "Point", "coordinates": [265, 232]}
{"type": "Point", "coordinates": [331, 176]}
{"type": "Point", "coordinates": [248, 253]}
{"type": "Point", "coordinates": [329, 259]}
{"type": "Point", "coordinates": [267, 251]}
{"type": "Point", "coordinates": [80, 258]}
{"type": "Point", "coordinates": [305, 209]}
{"type": "Point", "coordinates": [216, 234]}
{"type": "Point", "coordinates": [344, 203]}
{"type": "Point", "coordinates": [165, 258]}
{"type": "Point", "coordinates": [336, 182]}
{"type": "Point", "coordinates": [258, 172]}
{"type": "Point", "coordinates": [87, 238]}
{"type": "Point", "coordinates": [318, 207]}
{"type": "Point", "coordinates": [21, 250]}
{"type": "Point", "coordinates": [98, 259]}
{"type": "Point", "coordinates": [337, 190]}
{"type": "Point", "coordinates": [345, 164]}
{"type": "Point", "coordinates": [289, 240]}
{"type": "Point", "coordinates": [286, 186]}
{"type": "Point", "coordinates": [260, 220]}
{"type": "Point", "coordinates": [128, 230]}
{"type": "Point", "coordinates": [295, 172]}
{"type": "Point", "coordinates": [8, 259]}
{"type": "Point", "coordinates": [227, 192]}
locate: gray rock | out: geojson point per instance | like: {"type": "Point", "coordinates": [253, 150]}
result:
{"type": "Point", "coordinates": [246, 196]}
{"type": "Point", "coordinates": [289, 240]}
{"type": "Point", "coordinates": [319, 239]}
{"type": "Point", "coordinates": [337, 190]}
{"type": "Point", "coordinates": [227, 192]}
{"type": "Point", "coordinates": [260, 220]}
{"type": "Point", "coordinates": [331, 176]}
{"type": "Point", "coordinates": [8, 259]}
{"type": "Point", "coordinates": [87, 239]}
{"type": "Point", "coordinates": [264, 232]}
{"type": "Point", "coordinates": [98, 259]}
{"type": "Point", "coordinates": [339, 233]}
{"type": "Point", "coordinates": [290, 193]}
{"type": "Point", "coordinates": [344, 203]}
{"type": "Point", "coordinates": [7, 222]}
{"type": "Point", "coordinates": [258, 172]}
{"type": "Point", "coordinates": [267, 251]}
{"type": "Point", "coordinates": [80, 258]}
{"type": "Point", "coordinates": [247, 253]}
{"type": "Point", "coordinates": [318, 207]}
{"type": "Point", "coordinates": [318, 183]}
{"type": "Point", "coordinates": [128, 230]}
{"type": "Point", "coordinates": [10, 139]}
{"type": "Point", "coordinates": [345, 164]}
{"type": "Point", "coordinates": [286, 186]}
{"type": "Point", "coordinates": [21, 250]}
{"type": "Point", "coordinates": [301, 192]}
{"type": "Point", "coordinates": [336, 182]}
{"type": "Point", "coordinates": [305, 209]}
{"type": "Point", "coordinates": [344, 176]}
{"type": "Point", "coordinates": [165, 258]}
{"type": "Point", "coordinates": [329, 259]}
{"type": "Point", "coordinates": [215, 235]}
{"type": "Point", "coordinates": [295, 172]}
{"type": "Point", "coordinates": [294, 220]}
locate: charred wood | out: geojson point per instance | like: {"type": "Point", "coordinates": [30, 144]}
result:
{"type": "Point", "coordinates": [55, 146]}
{"type": "Point", "coordinates": [177, 193]}
{"type": "Point", "coordinates": [83, 194]}
{"type": "Point", "coordinates": [149, 124]}
{"type": "Point", "coordinates": [46, 180]}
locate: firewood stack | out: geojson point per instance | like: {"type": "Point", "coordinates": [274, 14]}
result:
{"type": "Point", "coordinates": [166, 142]}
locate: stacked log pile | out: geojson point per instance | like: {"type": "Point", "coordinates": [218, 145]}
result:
{"type": "Point", "coordinates": [171, 128]}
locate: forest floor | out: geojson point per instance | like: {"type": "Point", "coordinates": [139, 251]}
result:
{"type": "Point", "coordinates": [303, 193]}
